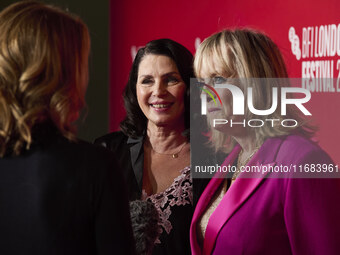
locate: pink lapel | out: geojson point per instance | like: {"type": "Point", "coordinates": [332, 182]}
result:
{"type": "Point", "coordinates": [232, 200]}
{"type": "Point", "coordinates": [205, 199]}
{"type": "Point", "coordinates": [239, 192]}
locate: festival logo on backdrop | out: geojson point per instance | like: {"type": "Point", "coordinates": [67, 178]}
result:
{"type": "Point", "coordinates": [318, 50]}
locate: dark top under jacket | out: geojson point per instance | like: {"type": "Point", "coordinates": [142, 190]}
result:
{"type": "Point", "coordinates": [64, 198]}
{"type": "Point", "coordinates": [175, 205]}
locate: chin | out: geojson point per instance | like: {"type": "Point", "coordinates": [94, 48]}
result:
{"type": "Point", "coordinates": [162, 122]}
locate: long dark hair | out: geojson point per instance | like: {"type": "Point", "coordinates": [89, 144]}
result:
{"type": "Point", "coordinates": [135, 121]}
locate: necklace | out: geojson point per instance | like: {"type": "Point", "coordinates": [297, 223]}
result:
{"type": "Point", "coordinates": [173, 155]}
{"type": "Point", "coordinates": [245, 162]}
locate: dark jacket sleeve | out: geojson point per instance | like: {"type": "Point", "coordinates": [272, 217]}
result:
{"type": "Point", "coordinates": [112, 141]}
{"type": "Point", "coordinates": [112, 215]}
{"type": "Point", "coordinates": [117, 143]}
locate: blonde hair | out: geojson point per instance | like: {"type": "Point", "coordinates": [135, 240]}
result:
{"type": "Point", "coordinates": [247, 54]}
{"type": "Point", "coordinates": [43, 72]}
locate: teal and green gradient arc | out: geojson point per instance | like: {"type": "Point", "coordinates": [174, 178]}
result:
{"type": "Point", "coordinates": [211, 95]}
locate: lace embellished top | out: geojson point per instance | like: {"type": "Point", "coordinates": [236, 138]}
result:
{"type": "Point", "coordinates": [175, 208]}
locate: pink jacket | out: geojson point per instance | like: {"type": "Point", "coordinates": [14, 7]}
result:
{"type": "Point", "coordinates": [272, 215]}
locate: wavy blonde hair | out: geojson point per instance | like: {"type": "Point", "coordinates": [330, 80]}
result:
{"type": "Point", "coordinates": [43, 72]}
{"type": "Point", "coordinates": [247, 54]}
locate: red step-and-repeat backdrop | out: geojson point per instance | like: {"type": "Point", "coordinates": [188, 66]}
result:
{"type": "Point", "coordinates": [307, 33]}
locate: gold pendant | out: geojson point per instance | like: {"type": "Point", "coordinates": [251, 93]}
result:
{"type": "Point", "coordinates": [175, 155]}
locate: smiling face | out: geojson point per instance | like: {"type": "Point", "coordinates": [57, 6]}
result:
{"type": "Point", "coordinates": [160, 91]}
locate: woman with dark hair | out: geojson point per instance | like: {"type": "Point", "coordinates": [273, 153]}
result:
{"type": "Point", "coordinates": [153, 146]}
{"type": "Point", "coordinates": [58, 195]}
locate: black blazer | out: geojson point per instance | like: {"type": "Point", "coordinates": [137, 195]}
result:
{"type": "Point", "coordinates": [62, 197]}
{"type": "Point", "coordinates": [130, 154]}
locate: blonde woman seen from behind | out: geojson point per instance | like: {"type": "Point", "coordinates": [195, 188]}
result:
{"type": "Point", "coordinates": [57, 193]}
